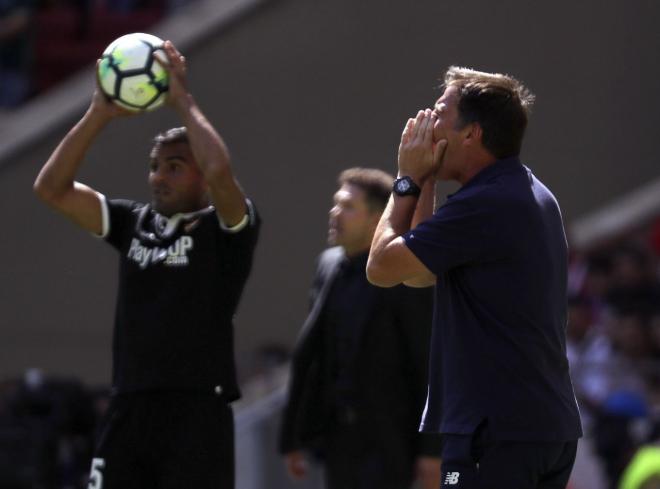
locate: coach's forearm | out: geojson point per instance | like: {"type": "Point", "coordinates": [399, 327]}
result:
{"type": "Point", "coordinates": [425, 203]}
{"type": "Point", "coordinates": [395, 221]}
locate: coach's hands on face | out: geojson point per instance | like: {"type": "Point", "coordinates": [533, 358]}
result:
{"type": "Point", "coordinates": [101, 104]}
{"type": "Point", "coordinates": [419, 157]}
{"type": "Point", "coordinates": [177, 95]}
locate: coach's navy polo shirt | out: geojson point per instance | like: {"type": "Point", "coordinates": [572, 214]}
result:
{"type": "Point", "coordinates": [498, 353]}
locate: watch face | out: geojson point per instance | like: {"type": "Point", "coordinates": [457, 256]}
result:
{"type": "Point", "coordinates": [405, 186]}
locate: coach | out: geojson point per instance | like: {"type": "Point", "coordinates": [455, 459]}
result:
{"type": "Point", "coordinates": [496, 251]}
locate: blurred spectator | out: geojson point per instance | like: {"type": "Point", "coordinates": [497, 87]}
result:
{"type": "Point", "coordinates": [589, 352]}
{"type": "Point", "coordinates": [599, 278]}
{"type": "Point", "coordinates": [16, 54]}
{"type": "Point", "coordinates": [604, 359]}
{"type": "Point", "coordinates": [123, 6]}
{"type": "Point", "coordinates": [46, 428]}
{"type": "Point", "coordinates": [613, 343]}
{"type": "Point", "coordinates": [616, 431]}
{"type": "Point", "coordinates": [580, 328]}
{"type": "Point", "coordinates": [654, 236]}
{"type": "Point", "coordinates": [635, 284]}
{"type": "Point", "coordinates": [644, 470]}
{"type": "Point", "coordinates": [654, 334]}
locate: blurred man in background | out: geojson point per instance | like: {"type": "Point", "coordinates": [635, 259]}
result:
{"type": "Point", "coordinates": [183, 265]}
{"type": "Point", "coordinates": [359, 371]}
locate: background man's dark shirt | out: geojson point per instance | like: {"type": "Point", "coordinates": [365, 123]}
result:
{"type": "Point", "coordinates": [499, 251]}
{"type": "Point", "coordinates": [341, 344]}
{"type": "Point", "coordinates": [356, 393]}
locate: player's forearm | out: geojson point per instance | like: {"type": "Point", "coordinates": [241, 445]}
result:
{"type": "Point", "coordinates": [209, 149]}
{"type": "Point", "coordinates": [58, 174]}
{"type": "Point", "coordinates": [213, 159]}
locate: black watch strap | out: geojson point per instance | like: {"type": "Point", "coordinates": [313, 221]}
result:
{"type": "Point", "coordinates": [403, 186]}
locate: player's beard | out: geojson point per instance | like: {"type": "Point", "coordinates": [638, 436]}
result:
{"type": "Point", "coordinates": [167, 203]}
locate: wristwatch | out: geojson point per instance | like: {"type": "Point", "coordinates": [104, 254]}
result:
{"type": "Point", "coordinates": [405, 186]}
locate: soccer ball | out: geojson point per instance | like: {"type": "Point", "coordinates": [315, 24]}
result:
{"type": "Point", "coordinates": [130, 76]}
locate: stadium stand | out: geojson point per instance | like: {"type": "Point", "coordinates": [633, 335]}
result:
{"type": "Point", "coordinates": [69, 38]}
{"type": "Point", "coordinates": [614, 328]}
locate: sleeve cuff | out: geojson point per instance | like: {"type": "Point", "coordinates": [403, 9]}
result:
{"type": "Point", "coordinates": [248, 218]}
{"type": "Point", "coordinates": [236, 228]}
{"type": "Point", "coordinates": [105, 217]}
{"type": "Point", "coordinates": [429, 444]}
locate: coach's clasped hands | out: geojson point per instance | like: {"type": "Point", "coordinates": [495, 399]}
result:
{"type": "Point", "coordinates": [419, 156]}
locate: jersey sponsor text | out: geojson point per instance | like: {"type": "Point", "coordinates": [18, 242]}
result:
{"type": "Point", "coordinates": [174, 255]}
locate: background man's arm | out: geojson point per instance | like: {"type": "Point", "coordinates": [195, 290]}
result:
{"type": "Point", "coordinates": [207, 146]}
{"type": "Point", "coordinates": [414, 310]}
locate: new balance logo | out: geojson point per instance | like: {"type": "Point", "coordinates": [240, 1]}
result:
{"type": "Point", "coordinates": [451, 478]}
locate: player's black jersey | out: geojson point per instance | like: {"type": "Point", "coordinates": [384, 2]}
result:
{"type": "Point", "coordinates": [180, 281]}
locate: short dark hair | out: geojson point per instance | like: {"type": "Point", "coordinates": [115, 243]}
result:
{"type": "Point", "coordinates": [500, 104]}
{"type": "Point", "coordinates": [171, 136]}
{"type": "Point", "coordinates": [377, 185]}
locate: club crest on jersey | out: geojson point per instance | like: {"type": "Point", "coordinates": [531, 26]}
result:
{"type": "Point", "coordinates": [174, 255]}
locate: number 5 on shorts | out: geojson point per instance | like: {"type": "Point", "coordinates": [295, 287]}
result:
{"type": "Point", "coordinates": [96, 476]}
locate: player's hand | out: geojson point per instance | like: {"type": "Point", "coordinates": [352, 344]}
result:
{"type": "Point", "coordinates": [101, 104]}
{"type": "Point", "coordinates": [427, 472]}
{"type": "Point", "coordinates": [296, 465]}
{"type": "Point", "coordinates": [177, 95]}
{"type": "Point", "coordinates": [419, 157]}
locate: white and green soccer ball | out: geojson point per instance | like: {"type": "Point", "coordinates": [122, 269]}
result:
{"type": "Point", "coordinates": [129, 75]}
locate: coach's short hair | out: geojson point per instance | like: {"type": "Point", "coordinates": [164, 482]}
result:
{"type": "Point", "coordinates": [377, 185]}
{"type": "Point", "coordinates": [500, 104]}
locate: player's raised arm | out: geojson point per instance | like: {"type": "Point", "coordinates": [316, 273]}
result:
{"type": "Point", "coordinates": [208, 148]}
{"type": "Point", "coordinates": [56, 184]}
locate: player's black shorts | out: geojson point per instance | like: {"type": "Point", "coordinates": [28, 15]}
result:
{"type": "Point", "coordinates": [165, 440]}
{"type": "Point", "coordinates": [478, 462]}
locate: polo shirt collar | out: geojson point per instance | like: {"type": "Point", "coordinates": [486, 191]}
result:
{"type": "Point", "coordinates": [499, 167]}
